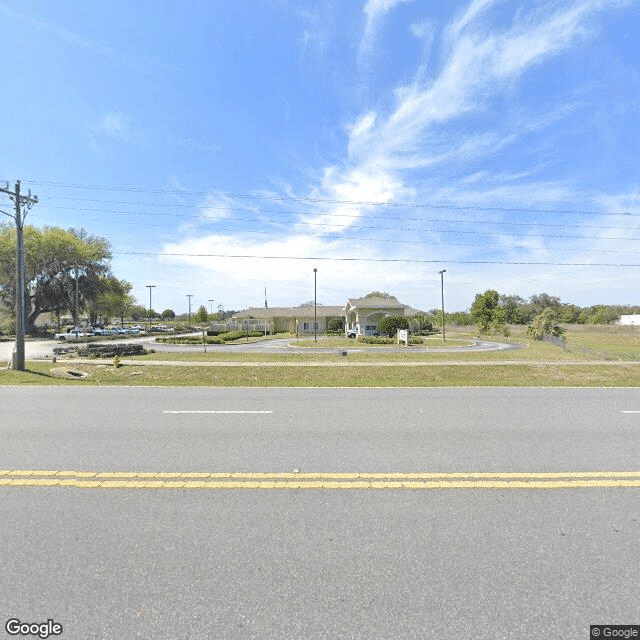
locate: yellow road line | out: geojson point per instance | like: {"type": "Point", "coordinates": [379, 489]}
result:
{"type": "Point", "coordinates": [294, 480]}
{"type": "Point", "coordinates": [273, 475]}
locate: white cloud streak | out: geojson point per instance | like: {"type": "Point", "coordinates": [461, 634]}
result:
{"type": "Point", "coordinates": [386, 147]}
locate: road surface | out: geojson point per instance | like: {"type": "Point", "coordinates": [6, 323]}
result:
{"type": "Point", "coordinates": [485, 555]}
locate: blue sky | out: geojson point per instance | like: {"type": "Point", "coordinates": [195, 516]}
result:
{"type": "Point", "coordinates": [378, 141]}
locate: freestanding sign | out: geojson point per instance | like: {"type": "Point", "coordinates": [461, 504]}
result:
{"type": "Point", "coordinates": [403, 336]}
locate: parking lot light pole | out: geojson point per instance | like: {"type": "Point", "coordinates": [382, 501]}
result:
{"type": "Point", "coordinates": [315, 305]}
{"type": "Point", "coordinates": [444, 338]}
{"type": "Point", "coordinates": [189, 295]}
{"type": "Point", "coordinates": [150, 287]}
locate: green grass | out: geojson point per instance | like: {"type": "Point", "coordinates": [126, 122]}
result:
{"type": "Point", "coordinates": [557, 375]}
{"type": "Point", "coordinates": [537, 364]}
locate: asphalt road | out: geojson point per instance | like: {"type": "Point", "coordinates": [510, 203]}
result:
{"type": "Point", "coordinates": [269, 563]}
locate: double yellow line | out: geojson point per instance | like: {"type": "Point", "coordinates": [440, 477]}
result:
{"type": "Point", "coordinates": [297, 480]}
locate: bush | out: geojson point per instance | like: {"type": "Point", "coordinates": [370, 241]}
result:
{"type": "Point", "coordinates": [375, 340]}
{"type": "Point", "coordinates": [221, 338]}
{"type": "Point", "coordinates": [544, 324]}
{"type": "Point", "coordinates": [391, 324]}
{"type": "Point", "coordinates": [110, 350]}
{"type": "Point", "coordinates": [8, 327]}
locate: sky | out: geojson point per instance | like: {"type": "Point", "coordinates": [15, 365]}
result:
{"type": "Point", "coordinates": [231, 146]}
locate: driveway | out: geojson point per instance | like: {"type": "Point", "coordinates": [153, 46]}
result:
{"type": "Point", "coordinates": [40, 349]}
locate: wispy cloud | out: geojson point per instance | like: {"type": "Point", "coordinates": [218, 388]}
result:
{"type": "Point", "coordinates": [405, 151]}
{"type": "Point", "coordinates": [115, 125]}
{"type": "Point", "coordinates": [374, 11]}
{"type": "Point", "coordinates": [477, 63]}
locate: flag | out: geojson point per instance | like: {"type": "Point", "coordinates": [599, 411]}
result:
{"type": "Point", "coordinates": [265, 296]}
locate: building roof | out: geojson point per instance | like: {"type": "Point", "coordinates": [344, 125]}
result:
{"type": "Point", "coordinates": [369, 303]}
{"type": "Point", "coordinates": [291, 312]}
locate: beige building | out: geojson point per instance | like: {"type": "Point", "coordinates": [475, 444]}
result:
{"type": "Point", "coordinates": [360, 316]}
{"type": "Point", "coordinates": [291, 319]}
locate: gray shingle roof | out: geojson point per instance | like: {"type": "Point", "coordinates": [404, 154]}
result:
{"type": "Point", "coordinates": [323, 311]}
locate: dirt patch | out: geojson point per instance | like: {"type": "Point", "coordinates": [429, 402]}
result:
{"type": "Point", "coordinates": [68, 374]}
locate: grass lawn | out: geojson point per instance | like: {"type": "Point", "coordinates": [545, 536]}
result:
{"type": "Point", "coordinates": [536, 364]}
{"type": "Point", "coordinates": [329, 376]}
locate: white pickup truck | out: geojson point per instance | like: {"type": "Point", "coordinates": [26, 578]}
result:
{"type": "Point", "coordinates": [75, 332]}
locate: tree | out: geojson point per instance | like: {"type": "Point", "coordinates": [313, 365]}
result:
{"type": "Point", "coordinates": [421, 323]}
{"type": "Point", "coordinates": [514, 308]}
{"type": "Point", "coordinates": [139, 312]}
{"type": "Point", "coordinates": [380, 294]}
{"type": "Point", "coordinates": [201, 315]}
{"type": "Point", "coordinates": [63, 269]}
{"type": "Point", "coordinates": [545, 324]}
{"type": "Point", "coordinates": [604, 315]}
{"type": "Point", "coordinates": [335, 324]}
{"type": "Point", "coordinates": [168, 314]}
{"type": "Point", "coordinates": [486, 311]}
{"type": "Point", "coordinates": [113, 299]}
{"type": "Point", "coordinates": [391, 324]}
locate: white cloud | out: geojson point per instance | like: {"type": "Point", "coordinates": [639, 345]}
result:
{"type": "Point", "coordinates": [385, 147]}
{"type": "Point", "coordinates": [375, 11]}
{"type": "Point", "coordinates": [477, 63]}
{"type": "Point", "coordinates": [115, 125]}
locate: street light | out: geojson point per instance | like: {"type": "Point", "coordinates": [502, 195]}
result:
{"type": "Point", "coordinates": [150, 287]}
{"type": "Point", "coordinates": [189, 295]}
{"type": "Point", "coordinates": [442, 288]}
{"type": "Point", "coordinates": [315, 305]}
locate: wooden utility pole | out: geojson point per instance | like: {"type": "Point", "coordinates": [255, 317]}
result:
{"type": "Point", "coordinates": [27, 202]}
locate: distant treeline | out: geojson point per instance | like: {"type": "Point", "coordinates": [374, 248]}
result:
{"type": "Point", "coordinates": [517, 310]}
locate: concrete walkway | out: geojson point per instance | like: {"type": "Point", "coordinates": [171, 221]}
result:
{"type": "Point", "coordinates": [345, 363]}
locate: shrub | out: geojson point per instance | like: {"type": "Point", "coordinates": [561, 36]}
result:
{"type": "Point", "coordinates": [375, 340]}
{"type": "Point", "coordinates": [544, 324]}
{"type": "Point", "coordinates": [221, 338]}
{"type": "Point", "coordinates": [110, 350]}
{"type": "Point", "coordinates": [391, 324]}
{"type": "Point", "coordinates": [8, 327]}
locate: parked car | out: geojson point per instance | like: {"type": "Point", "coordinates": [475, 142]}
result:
{"type": "Point", "coordinates": [102, 331]}
{"type": "Point", "coordinates": [71, 334]}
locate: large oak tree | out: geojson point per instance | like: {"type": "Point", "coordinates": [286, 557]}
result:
{"type": "Point", "coordinates": [56, 262]}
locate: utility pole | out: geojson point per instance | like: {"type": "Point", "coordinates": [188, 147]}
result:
{"type": "Point", "coordinates": [150, 287]}
{"type": "Point", "coordinates": [315, 304]}
{"type": "Point", "coordinates": [27, 202]}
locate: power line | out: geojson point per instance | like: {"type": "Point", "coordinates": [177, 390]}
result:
{"type": "Point", "coordinates": [360, 259]}
{"type": "Point", "coordinates": [320, 214]}
{"type": "Point", "coordinates": [403, 228]}
{"type": "Point", "coordinates": [369, 203]}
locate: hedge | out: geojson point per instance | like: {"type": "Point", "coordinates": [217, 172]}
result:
{"type": "Point", "coordinates": [111, 350]}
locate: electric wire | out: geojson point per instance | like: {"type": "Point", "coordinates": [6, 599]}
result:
{"type": "Point", "coordinates": [277, 198]}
